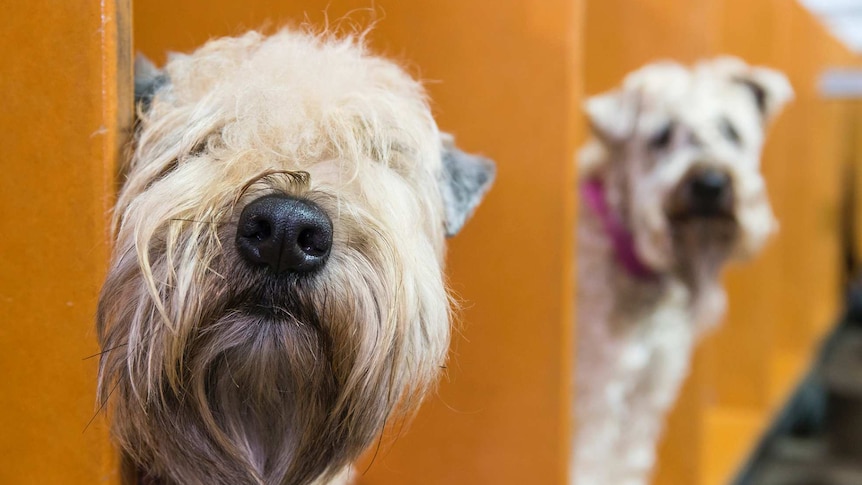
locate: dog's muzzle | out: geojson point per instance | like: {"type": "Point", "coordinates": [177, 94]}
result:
{"type": "Point", "coordinates": [703, 193]}
{"type": "Point", "coordinates": [285, 234]}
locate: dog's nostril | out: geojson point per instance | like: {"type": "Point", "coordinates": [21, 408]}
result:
{"type": "Point", "coordinates": [314, 242]}
{"type": "Point", "coordinates": [261, 230]}
{"type": "Point", "coordinates": [285, 234]}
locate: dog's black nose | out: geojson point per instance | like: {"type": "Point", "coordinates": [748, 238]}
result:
{"type": "Point", "coordinates": [284, 233]}
{"type": "Point", "coordinates": [709, 186]}
{"type": "Point", "coordinates": [710, 192]}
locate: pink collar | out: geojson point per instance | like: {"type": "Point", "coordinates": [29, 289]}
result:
{"type": "Point", "coordinates": [593, 192]}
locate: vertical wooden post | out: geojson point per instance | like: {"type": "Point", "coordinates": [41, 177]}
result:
{"type": "Point", "coordinates": [66, 84]}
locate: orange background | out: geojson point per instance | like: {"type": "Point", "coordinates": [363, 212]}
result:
{"type": "Point", "coordinates": [507, 79]}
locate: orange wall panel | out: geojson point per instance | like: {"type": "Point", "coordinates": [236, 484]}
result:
{"type": "Point", "coordinates": [855, 204]}
{"type": "Point", "coordinates": [623, 35]}
{"type": "Point", "coordinates": [66, 83]}
{"type": "Point", "coordinates": [504, 78]}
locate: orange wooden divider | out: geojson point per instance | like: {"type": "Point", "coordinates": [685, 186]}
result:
{"type": "Point", "coordinates": [504, 78]}
{"type": "Point", "coordinates": [782, 303]}
{"type": "Point", "coordinates": [855, 204]}
{"type": "Point", "coordinates": [66, 83]}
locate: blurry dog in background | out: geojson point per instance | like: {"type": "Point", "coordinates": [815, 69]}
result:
{"type": "Point", "coordinates": [672, 190]}
{"type": "Point", "coordinates": [276, 293]}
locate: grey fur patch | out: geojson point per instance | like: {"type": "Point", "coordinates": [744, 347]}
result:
{"type": "Point", "coordinates": [465, 180]}
{"type": "Point", "coordinates": [148, 80]}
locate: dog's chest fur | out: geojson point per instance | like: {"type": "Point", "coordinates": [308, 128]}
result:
{"type": "Point", "coordinates": [634, 342]}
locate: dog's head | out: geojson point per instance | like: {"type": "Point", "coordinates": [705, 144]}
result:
{"type": "Point", "coordinates": [276, 289]}
{"type": "Point", "coordinates": [679, 150]}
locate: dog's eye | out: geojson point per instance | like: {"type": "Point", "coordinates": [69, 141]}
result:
{"type": "Point", "coordinates": [729, 132]}
{"type": "Point", "coordinates": [662, 139]}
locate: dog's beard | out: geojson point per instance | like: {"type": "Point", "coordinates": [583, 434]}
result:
{"type": "Point", "coordinates": [256, 403]}
{"type": "Point", "coordinates": [702, 246]}
{"type": "Point", "coordinates": [267, 388]}
{"type": "Point", "coordinates": [267, 382]}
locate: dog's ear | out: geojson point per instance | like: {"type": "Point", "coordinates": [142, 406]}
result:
{"type": "Point", "coordinates": [770, 88]}
{"type": "Point", "coordinates": [148, 80]}
{"type": "Point", "coordinates": [463, 183]}
{"type": "Point", "coordinates": [611, 115]}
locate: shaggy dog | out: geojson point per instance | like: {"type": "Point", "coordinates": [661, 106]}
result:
{"type": "Point", "coordinates": [276, 294]}
{"type": "Point", "coordinates": [671, 190]}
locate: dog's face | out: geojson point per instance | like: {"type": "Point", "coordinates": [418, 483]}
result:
{"type": "Point", "coordinates": [681, 155]}
{"type": "Point", "coordinates": [276, 290]}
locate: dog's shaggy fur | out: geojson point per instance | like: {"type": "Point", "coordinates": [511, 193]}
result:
{"type": "Point", "coordinates": [217, 371]}
{"type": "Point", "coordinates": [649, 278]}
